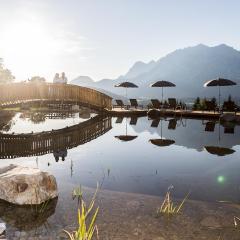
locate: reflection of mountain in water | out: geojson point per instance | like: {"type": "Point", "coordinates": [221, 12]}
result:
{"type": "Point", "coordinates": [33, 144]}
{"type": "Point", "coordinates": [193, 133]}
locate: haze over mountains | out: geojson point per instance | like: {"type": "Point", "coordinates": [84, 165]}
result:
{"type": "Point", "coordinates": [188, 68]}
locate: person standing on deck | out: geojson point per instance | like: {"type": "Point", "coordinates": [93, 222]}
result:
{"type": "Point", "coordinates": [63, 78]}
{"type": "Point", "coordinates": [56, 78]}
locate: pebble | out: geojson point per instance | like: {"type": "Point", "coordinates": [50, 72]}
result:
{"type": "Point", "coordinates": [2, 228]}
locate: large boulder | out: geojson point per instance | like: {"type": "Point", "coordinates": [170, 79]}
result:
{"type": "Point", "coordinates": [25, 185]}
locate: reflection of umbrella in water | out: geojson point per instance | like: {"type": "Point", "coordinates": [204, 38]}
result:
{"type": "Point", "coordinates": [163, 84]}
{"type": "Point", "coordinates": [126, 85]}
{"type": "Point", "coordinates": [220, 151]}
{"type": "Point", "coordinates": [219, 83]}
{"type": "Point", "coordinates": [126, 137]}
{"type": "Point", "coordinates": [160, 141]}
{"type": "Point", "coordinates": [217, 150]}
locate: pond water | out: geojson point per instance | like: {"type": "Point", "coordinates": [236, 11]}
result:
{"type": "Point", "coordinates": [139, 155]}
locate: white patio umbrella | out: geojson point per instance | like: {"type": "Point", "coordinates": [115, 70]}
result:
{"type": "Point", "coordinates": [219, 82]}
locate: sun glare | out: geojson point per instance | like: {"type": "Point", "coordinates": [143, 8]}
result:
{"type": "Point", "coordinates": [28, 46]}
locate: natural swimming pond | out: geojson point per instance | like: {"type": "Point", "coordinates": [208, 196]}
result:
{"type": "Point", "coordinates": [134, 155]}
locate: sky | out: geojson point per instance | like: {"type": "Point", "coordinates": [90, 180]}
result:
{"type": "Point", "coordinates": [104, 38]}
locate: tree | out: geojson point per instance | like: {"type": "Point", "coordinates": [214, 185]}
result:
{"type": "Point", "coordinates": [5, 74]}
{"type": "Point", "coordinates": [197, 105]}
{"type": "Point", "coordinates": [36, 79]}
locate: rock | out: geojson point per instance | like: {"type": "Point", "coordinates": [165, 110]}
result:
{"type": "Point", "coordinates": [210, 222]}
{"type": "Point", "coordinates": [228, 117]}
{"type": "Point", "coordinates": [2, 228]}
{"type": "Point", "coordinates": [154, 113]}
{"type": "Point", "coordinates": [25, 185]}
{"type": "Point", "coordinates": [75, 108]}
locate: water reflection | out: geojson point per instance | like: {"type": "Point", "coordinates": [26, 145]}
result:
{"type": "Point", "coordinates": [31, 121]}
{"type": "Point", "coordinates": [5, 120]}
{"type": "Point", "coordinates": [126, 137]}
{"type": "Point", "coordinates": [220, 151]}
{"type": "Point", "coordinates": [172, 123]}
{"type": "Point", "coordinates": [192, 133]}
{"type": "Point", "coordinates": [194, 155]}
{"type": "Point", "coordinates": [55, 141]}
{"type": "Point", "coordinates": [60, 154]}
{"type": "Point", "coordinates": [210, 136]}
{"type": "Point", "coordinates": [26, 217]}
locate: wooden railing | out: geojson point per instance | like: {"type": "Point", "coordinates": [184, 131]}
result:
{"type": "Point", "coordinates": [34, 144]}
{"type": "Point", "coordinates": [19, 92]}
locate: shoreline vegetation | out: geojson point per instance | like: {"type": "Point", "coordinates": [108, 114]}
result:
{"type": "Point", "coordinates": [133, 216]}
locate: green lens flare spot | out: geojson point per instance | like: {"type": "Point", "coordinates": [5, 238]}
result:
{"type": "Point", "coordinates": [221, 179]}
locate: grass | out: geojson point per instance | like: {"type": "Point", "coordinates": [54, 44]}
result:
{"type": "Point", "coordinates": [39, 208]}
{"type": "Point", "coordinates": [168, 207]}
{"type": "Point", "coordinates": [77, 193]}
{"type": "Point", "coordinates": [86, 221]}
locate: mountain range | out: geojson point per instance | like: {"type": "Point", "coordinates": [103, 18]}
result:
{"type": "Point", "coordinates": [188, 68]}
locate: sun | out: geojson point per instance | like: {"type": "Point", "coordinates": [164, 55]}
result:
{"type": "Point", "coordinates": [27, 45]}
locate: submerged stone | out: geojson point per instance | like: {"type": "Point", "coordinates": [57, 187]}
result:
{"type": "Point", "coordinates": [210, 222]}
{"type": "Point", "coordinates": [25, 185]}
{"type": "Point", "coordinates": [2, 228]}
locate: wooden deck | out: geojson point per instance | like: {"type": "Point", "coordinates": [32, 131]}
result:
{"type": "Point", "coordinates": [18, 93]}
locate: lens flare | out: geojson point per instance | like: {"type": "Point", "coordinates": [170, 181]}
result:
{"type": "Point", "coordinates": [221, 179]}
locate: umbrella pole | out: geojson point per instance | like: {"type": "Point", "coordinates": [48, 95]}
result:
{"type": "Point", "coordinates": [161, 128]}
{"type": "Point", "coordinates": [126, 99]}
{"type": "Point", "coordinates": [126, 126]}
{"type": "Point", "coordinates": [162, 95]}
{"type": "Point", "coordinates": [219, 133]}
{"type": "Point", "coordinates": [219, 98]}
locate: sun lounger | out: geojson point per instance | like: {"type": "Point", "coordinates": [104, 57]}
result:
{"type": "Point", "coordinates": [229, 130]}
{"type": "Point", "coordinates": [119, 103]}
{"type": "Point", "coordinates": [155, 122]}
{"type": "Point", "coordinates": [133, 120]}
{"type": "Point", "coordinates": [210, 126]}
{"type": "Point", "coordinates": [156, 104]}
{"type": "Point", "coordinates": [119, 120]}
{"type": "Point", "coordinates": [134, 103]}
{"type": "Point", "coordinates": [172, 124]}
{"type": "Point", "coordinates": [172, 104]}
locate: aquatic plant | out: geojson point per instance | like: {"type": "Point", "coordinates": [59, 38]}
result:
{"type": "Point", "coordinates": [39, 208]}
{"type": "Point", "coordinates": [77, 193]}
{"type": "Point", "coordinates": [168, 206]}
{"type": "Point", "coordinates": [86, 227]}
{"type": "Point", "coordinates": [84, 232]}
{"type": "Point", "coordinates": [236, 221]}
